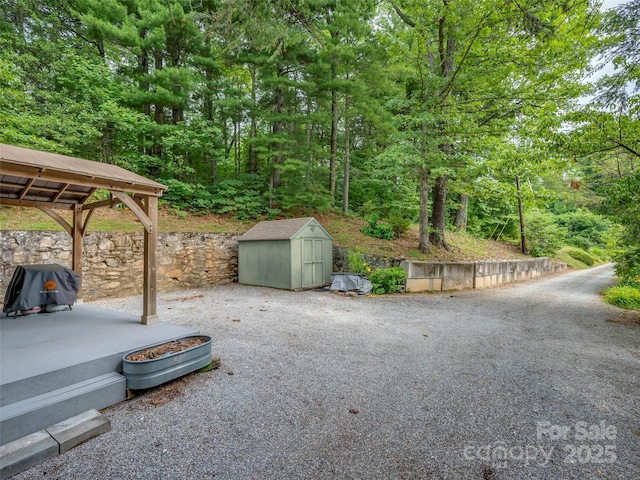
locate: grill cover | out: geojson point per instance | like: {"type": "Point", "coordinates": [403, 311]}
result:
{"type": "Point", "coordinates": [38, 285]}
{"type": "Point", "coordinates": [346, 282]}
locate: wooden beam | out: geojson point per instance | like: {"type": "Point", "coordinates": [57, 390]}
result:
{"type": "Point", "coordinates": [77, 234]}
{"type": "Point", "coordinates": [62, 190]}
{"type": "Point", "coordinates": [137, 211]}
{"type": "Point", "coordinates": [26, 187]}
{"type": "Point", "coordinates": [149, 309]}
{"type": "Point", "coordinates": [77, 179]}
{"type": "Point", "coordinates": [110, 202]}
{"type": "Point", "coordinates": [29, 203]}
{"type": "Point", "coordinates": [53, 214]}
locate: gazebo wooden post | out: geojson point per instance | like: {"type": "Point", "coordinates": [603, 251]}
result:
{"type": "Point", "coordinates": [77, 234]}
{"type": "Point", "coordinates": [149, 313]}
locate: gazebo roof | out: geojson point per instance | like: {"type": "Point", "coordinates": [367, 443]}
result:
{"type": "Point", "coordinates": [50, 182]}
{"type": "Point", "coordinates": [32, 178]}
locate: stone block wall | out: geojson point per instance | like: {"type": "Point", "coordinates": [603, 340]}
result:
{"type": "Point", "coordinates": [113, 261]}
{"type": "Point", "coordinates": [442, 276]}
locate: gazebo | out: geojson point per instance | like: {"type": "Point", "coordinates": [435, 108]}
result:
{"type": "Point", "coordinates": [51, 182]}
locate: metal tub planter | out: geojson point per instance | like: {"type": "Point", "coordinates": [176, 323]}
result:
{"type": "Point", "coordinates": [160, 363]}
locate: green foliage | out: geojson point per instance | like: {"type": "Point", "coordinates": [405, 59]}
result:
{"type": "Point", "coordinates": [564, 256]}
{"type": "Point", "coordinates": [388, 280]}
{"type": "Point", "coordinates": [399, 223]}
{"type": "Point", "coordinates": [624, 296]}
{"type": "Point", "coordinates": [357, 263]}
{"type": "Point", "coordinates": [241, 198]}
{"type": "Point", "coordinates": [544, 237]}
{"type": "Point", "coordinates": [585, 228]}
{"type": "Point", "coordinates": [580, 255]}
{"type": "Point", "coordinates": [599, 254]}
{"type": "Point", "coordinates": [378, 230]}
{"type": "Point", "coordinates": [187, 196]}
{"type": "Point", "coordinates": [628, 266]}
{"type": "Point", "coordinates": [301, 186]}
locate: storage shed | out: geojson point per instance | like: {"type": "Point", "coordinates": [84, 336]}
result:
{"type": "Point", "coordinates": [290, 254]}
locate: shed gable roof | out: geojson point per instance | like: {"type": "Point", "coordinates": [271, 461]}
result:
{"type": "Point", "coordinates": [279, 229]}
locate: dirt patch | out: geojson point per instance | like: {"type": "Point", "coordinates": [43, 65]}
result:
{"type": "Point", "coordinates": [158, 351]}
{"type": "Point", "coordinates": [628, 317]}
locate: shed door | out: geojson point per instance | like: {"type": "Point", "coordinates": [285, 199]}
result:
{"type": "Point", "coordinates": [312, 262]}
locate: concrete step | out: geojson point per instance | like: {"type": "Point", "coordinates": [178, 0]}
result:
{"type": "Point", "coordinates": [28, 451]}
{"type": "Point", "coordinates": [24, 417]}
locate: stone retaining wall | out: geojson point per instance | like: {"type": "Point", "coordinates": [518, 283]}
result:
{"type": "Point", "coordinates": [113, 261]}
{"type": "Point", "coordinates": [442, 276]}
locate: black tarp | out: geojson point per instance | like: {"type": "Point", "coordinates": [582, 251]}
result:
{"type": "Point", "coordinates": [39, 285]}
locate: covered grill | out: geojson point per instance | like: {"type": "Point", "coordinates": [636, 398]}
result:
{"type": "Point", "coordinates": [40, 286]}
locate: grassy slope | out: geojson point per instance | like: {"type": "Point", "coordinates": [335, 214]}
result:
{"type": "Point", "coordinates": [345, 232]}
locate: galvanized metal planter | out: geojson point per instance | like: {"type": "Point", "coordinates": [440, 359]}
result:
{"type": "Point", "coordinates": [141, 374]}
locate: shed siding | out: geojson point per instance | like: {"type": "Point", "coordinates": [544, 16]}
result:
{"type": "Point", "coordinates": [265, 263]}
{"type": "Point", "coordinates": [291, 254]}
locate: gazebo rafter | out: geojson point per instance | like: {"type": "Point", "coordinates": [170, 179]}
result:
{"type": "Point", "coordinates": [50, 182]}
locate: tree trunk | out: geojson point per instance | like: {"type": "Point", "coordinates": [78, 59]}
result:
{"type": "Point", "coordinates": [277, 129]}
{"type": "Point", "coordinates": [252, 163]}
{"type": "Point", "coordinates": [424, 211]}
{"type": "Point", "coordinates": [460, 223]}
{"type": "Point", "coordinates": [436, 236]}
{"type": "Point", "coordinates": [347, 151]}
{"type": "Point", "coordinates": [334, 136]}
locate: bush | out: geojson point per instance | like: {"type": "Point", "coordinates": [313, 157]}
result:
{"type": "Point", "coordinates": [543, 235]}
{"type": "Point", "coordinates": [586, 229]}
{"type": "Point", "coordinates": [240, 197]}
{"type": "Point", "coordinates": [378, 230]}
{"type": "Point", "coordinates": [187, 196]}
{"type": "Point", "coordinates": [624, 296]}
{"type": "Point", "coordinates": [399, 224]}
{"type": "Point", "coordinates": [388, 280]}
{"type": "Point", "coordinates": [599, 254]}
{"type": "Point", "coordinates": [580, 255]}
{"type": "Point", "coordinates": [357, 264]}
{"type": "Point", "coordinates": [628, 267]}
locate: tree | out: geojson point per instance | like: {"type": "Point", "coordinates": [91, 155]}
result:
{"type": "Point", "coordinates": [476, 67]}
{"type": "Point", "coordinates": [605, 139]}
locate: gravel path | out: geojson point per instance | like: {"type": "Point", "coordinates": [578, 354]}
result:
{"type": "Point", "coordinates": [530, 381]}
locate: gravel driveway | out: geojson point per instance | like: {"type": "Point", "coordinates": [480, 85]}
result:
{"type": "Point", "coordinates": [526, 381]}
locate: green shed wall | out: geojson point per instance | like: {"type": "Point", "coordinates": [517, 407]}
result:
{"type": "Point", "coordinates": [265, 263]}
{"type": "Point", "coordinates": [304, 261]}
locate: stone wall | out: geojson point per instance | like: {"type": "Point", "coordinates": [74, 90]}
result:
{"type": "Point", "coordinates": [113, 261]}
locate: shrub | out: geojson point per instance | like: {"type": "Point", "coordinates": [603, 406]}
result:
{"type": "Point", "coordinates": [628, 266]}
{"type": "Point", "coordinates": [399, 224]}
{"type": "Point", "coordinates": [187, 196]}
{"type": "Point", "coordinates": [586, 229]}
{"type": "Point", "coordinates": [357, 264]}
{"type": "Point", "coordinates": [581, 255]}
{"type": "Point", "coordinates": [599, 254]}
{"type": "Point", "coordinates": [624, 296]}
{"type": "Point", "coordinates": [388, 280]}
{"type": "Point", "coordinates": [378, 230]}
{"type": "Point", "coordinates": [240, 197]}
{"type": "Point", "coordinates": [564, 256]}
{"type": "Point", "coordinates": [543, 235]}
